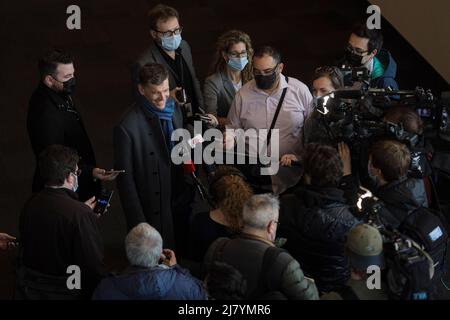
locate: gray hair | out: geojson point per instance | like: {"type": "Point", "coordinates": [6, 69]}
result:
{"type": "Point", "coordinates": [143, 245]}
{"type": "Point", "coordinates": [259, 210]}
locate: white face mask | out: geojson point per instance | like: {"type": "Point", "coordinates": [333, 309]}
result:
{"type": "Point", "coordinates": [373, 178]}
{"type": "Point", "coordinates": [75, 183]}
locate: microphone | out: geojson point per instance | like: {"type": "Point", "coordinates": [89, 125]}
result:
{"type": "Point", "coordinates": [189, 167]}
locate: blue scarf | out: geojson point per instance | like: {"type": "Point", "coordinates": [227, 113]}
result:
{"type": "Point", "coordinates": [165, 116]}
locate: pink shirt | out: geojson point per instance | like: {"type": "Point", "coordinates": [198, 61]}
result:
{"type": "Point", "coordinates": [253, 108]}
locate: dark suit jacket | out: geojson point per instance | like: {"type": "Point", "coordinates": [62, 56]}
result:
{"type": "Point", "coordinates": [56, 231]}
{"type": "Point", "coordinates": [49, 121]}
{"type": "Point", "coordinates": [145, 188]}
{"type": "Point", "coordinates": [219, 93]}
{"type": "Point", "coordinates": [153, 55]}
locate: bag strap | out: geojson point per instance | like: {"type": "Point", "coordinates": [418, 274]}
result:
{"type": "Point", "coordinates": [218, 253]}
{"type": "Point", "coordinates": [277, 112]}
{"type": "Point", "coordinates": [270, 277]}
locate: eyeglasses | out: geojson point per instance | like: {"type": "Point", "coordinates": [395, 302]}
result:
{"type": "Point", "coordinates": [277, 222]}
{"type": "Point", "coordinates": [356, 50]}
{"type": "Point", "coordinates": [257, 72]}
{"type": "Point", "coordinates": [171, 33]}
{"type": "Point", "coordinates": [242, 54]}
{"type": "Point", "coordinates": [77, 172]}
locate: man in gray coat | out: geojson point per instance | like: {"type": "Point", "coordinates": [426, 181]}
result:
{"type": "Point", "coordinates": [152, 186]}
{"type": "Point", "coordinates": [270, 271]}
{"type": "Point", "coordinates": [168, 49]}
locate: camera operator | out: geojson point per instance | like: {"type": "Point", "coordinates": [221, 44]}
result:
{"type": "Point", "coordinates": [326, 80]}
{"type": "Point", "coordinates": [421, 151]}
{"type": "Point", "coordinates": [364, 247]}
{"type": "Point", "coordinates": [388, 166]}
{"type": "Point", "coordinates": [316, 217]}
{"type": "Point", "coordinates": [364, 49]}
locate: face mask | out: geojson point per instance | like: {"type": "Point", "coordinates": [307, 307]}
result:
{"type": "Point", "coordinates": [315, 102]}
{"type": "Point", "coordinates": [373, 179]}
{"type": "Point", "coordinates": [238, 63]}
{"type": "Point", "coordinates": [354, 59]}
{"type": "Point", "coordinates": [265, 82]}
{"type": "Point", "coordinates": [75, 183]}
{"type": "Point", "coordinates": [69, 86]}
{"type": "Point", "coordinates": [171, 43]}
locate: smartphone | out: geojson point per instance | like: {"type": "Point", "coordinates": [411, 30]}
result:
{"type": "Point", "coordinates": [181, 96]}
{"type": "Point", "coordinates": [103, 201]}
{"type": "Point", "coordinates": [115, 171]}
{"type": "Point", "coordinates": [13, 244]}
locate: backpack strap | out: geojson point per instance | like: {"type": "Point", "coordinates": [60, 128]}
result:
{"type": "Point", "coordinates": [271, 271]}
{"type": "Point", "coordinates": [218, 253]}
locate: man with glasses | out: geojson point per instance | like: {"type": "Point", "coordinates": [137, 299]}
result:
{"type": "Point", "coordinates": [53, 119]}
{"type": "Point", "coordinates": [58, 231]}
{"type": "Point", "coordinates": [255, 106]}
{"type": "Point", "coordinates": [271, 273]}
{"type": "Point", "coordinates": [365, 49]}
{"type": "Point", "coordinates": [169, 49]}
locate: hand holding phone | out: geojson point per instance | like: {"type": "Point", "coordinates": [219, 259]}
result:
{"type": "Point", "coordinates": [115, 171]}
{"type": "Point", "coordinates": [103, 202]}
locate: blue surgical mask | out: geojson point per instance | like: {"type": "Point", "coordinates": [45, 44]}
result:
{"type": "Point", "coordinates": [238, 63]}
{"type": "Point", "coordinates": [373, 179]}
{"type": "Point", "coordinates": [171, 43]}
{"type": "Point", "coordinates": [75, 183]}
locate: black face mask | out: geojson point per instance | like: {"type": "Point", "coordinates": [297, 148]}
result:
{"type": "Point", "coordinates": [69, 86]}
{"type": "Point", "coordinates": [354, 59]}
{"type": "Point", "coordinates": [265, 82]}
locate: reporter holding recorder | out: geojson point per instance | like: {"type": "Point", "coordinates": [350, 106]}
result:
{"type": "Point", "coordinates": [58, 231]}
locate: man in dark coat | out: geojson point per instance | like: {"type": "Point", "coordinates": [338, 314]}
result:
{"type": "Point", "coordinates": [152, 187]}
{"type": "Point", "coordinates": [53, 119]}
{"type": "Point", "coordinates": [169, 49]}
{"type": "Point", "coordinates": [389, 162]}
{"type": "Point", "coordinates": [58, 231]}
{"type": "Point", "coordinates": [316, 218]}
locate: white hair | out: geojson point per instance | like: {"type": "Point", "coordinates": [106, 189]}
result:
{"type": "Point", "coordinates": [259, 210]}
{"type": "Point", "coordinates": [143, 246]}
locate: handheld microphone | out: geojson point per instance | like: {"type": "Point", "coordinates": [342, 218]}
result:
{"type": "Point", "coordinates": [189, 167]}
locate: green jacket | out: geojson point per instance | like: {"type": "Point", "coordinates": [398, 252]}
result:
{"type": "Point", "coordinates": [280, 277]}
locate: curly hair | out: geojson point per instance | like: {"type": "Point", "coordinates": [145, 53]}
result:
{"type": "Point", "coordinates": [230, 192]}
{"type": "Point", "coordinates": [224, 44]}
{"type": "Point", "coordinates": [322, 164]}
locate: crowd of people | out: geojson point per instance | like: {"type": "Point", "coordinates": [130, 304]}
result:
{"type": "Point", "coordinates": [302, 238]}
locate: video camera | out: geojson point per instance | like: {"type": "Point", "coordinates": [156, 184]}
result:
{"type": "Point", "coordinates": [407, 264]}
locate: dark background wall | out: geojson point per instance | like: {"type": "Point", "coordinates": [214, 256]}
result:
{"type": "Point", "coordinates": [114, 32]}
